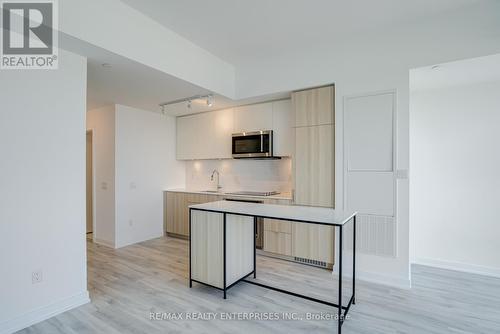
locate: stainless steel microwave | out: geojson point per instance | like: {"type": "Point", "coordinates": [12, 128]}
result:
{"type": "Point", "coordinates": [257, 144]}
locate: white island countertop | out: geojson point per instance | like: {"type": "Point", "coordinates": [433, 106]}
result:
{"type": "Point", "coordinates": [310, 214]}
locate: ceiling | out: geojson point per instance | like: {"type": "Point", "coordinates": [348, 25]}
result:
{"type": "Point", "coordinates": [127, 82]}
{"type": "Point", "coordinates": [463, 72]}
{"type": "Point", "coordinates": [237, 31]}
{"type": "Point", "coordinates": [241, 30]}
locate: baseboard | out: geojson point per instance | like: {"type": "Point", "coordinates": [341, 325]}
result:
{"type": "Point", "coordinates": [104, 243]}
{"type": "Point", "coordinates": [387, 280]}
{"type": "Point", "coordinates": [133, 242]}
{"type": "Point", "coordinates": [44, 313]}
{"type": "Point", "coordinates": [458, 266]}
{"type": "Point", "coordinates": [376, 278]}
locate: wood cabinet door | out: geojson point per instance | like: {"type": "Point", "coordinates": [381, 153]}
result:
{"type": "Point", "coordinates": [175, 215]}
{"type": "Point", "coordinates": [314, 106]}
{"type": "Point", "coordinates": [181, 222]}
{"type": "Point", "coordinates": [278, 243]}
{"type": "Point", "coordinates": [314, 242]}
{"type": "Point", "coordinates": [314, 166]}
{"type": "Point", "coordinates": [280, 226]}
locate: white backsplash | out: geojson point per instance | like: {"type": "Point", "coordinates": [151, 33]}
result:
{"type": "Point", "coordinates": [243, 174]}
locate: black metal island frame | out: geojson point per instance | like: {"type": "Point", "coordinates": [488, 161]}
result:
{"type": "Point", "coordinates": [222, 248]}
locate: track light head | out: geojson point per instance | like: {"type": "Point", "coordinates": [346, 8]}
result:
{"type": "Point", "coordinates": [210, 100]}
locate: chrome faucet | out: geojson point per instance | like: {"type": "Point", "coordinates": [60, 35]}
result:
{"type": "Point", "coordinates": [218, 177]}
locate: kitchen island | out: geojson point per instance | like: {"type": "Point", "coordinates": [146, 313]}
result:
{"type": "Point", "coordinates": [222, 248]}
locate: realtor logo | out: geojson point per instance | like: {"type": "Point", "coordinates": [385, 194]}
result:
{"type": "Point", "coordinates": [29, 34]}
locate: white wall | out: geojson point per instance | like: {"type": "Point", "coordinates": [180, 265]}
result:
{"type": "Point", "coordinates": [145, 167]}
{"type": "Point", "coordinates": [235, 175]}
{"type": "Point", "coordinates": [116, 27]}
{"type": "Point", "coordinates": [102, 123]}
{"type": "Point", "coordinates": [455, 186]}
{"type": "Point", "coordinates": [134, 156]}
{"type": "Point", "coordinates": [377, 61]}
{"type": "Point", "coordinates": [42, 193]}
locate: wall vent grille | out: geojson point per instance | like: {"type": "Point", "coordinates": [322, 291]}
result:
{"type": "Point", "coordinates": [375, 235]}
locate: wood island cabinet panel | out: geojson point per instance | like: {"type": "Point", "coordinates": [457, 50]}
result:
{"type": "Point", "coordinates": [206, 248]}
{"type": "Point", "coordinates": [239, 247]}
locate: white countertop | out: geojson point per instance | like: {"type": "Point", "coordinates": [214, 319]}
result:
{"type": "Point", "coordinates": [288, 212]}
{"type": "Point", "coordinates": [283, 195]}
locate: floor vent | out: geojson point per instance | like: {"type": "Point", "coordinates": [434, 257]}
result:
{"type": "Point", "coordinates": [316, 263]}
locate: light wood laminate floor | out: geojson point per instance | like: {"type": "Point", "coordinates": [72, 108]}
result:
{"type": "Point", "coordinates": [127, 284]}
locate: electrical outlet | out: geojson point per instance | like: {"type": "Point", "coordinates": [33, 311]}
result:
{"type": "Point", "coordinates": [37, 277]}
{"type": "Point", "coordinates": [130, 222]}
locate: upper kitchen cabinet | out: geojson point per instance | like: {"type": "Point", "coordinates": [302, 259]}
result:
{"type": "Point", "coordinates": [313, 106]}
{"type": "Point", "coordinates": [253, 117]}
{"type": "Point", "coordinates": [222, 131]}
{"type": "Point", "coordinates": [283, 133]}
{"type": "Point", "coordinates": [208, 135]}
{"type": "Point", "coordinates": [205, 136]}
{"type": "Point", "coordinates": [188, 128]}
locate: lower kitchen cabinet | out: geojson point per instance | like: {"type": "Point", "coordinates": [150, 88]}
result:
{"type": "Point", "coordinates": [175, 214]}
{"type": "Point", "coordinates": [176, 206]}
{"type": "Point", "coordinates": [306, 243]}
{"type": "Point", "coordinates": [313, 242]}
{"type": "Point", "coordinates": [278, 243]}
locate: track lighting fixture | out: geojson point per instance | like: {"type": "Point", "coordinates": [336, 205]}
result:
{"type": "Point", "coordinates": [209, 99]}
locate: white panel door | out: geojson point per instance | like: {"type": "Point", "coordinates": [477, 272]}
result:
{"type": "Point", "coordinates": [369, 163]}
{"type": "Point", "coordinates": [369, 125]}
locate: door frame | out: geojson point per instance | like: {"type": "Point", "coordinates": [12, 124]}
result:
{"type": "Point", "coordinates": [92, 134]}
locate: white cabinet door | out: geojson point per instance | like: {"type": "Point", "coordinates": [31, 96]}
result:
{"type": "Point", "coordinates": [283, 132]}
{"type": "Point", "coordinates": [253, 117]}
{"type": "Point", "coordinates": [221, 132]}
{"type": "Point", "coordinates": [195, 136]}
{"type": "Point", "coordinates": [186, 140]}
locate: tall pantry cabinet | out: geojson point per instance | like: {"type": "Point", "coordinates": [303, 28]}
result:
{"type": "Point", "coordinates": [314, 168]}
